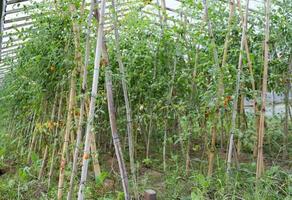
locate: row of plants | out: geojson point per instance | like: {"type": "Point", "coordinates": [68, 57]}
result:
{"type": "Point", "coordinates": [173, 82]}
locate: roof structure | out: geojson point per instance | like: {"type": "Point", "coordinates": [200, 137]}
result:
{"type": "Point", "coordinates": [13, 19]}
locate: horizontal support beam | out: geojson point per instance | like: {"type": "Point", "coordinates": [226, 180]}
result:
{"type": "Point", "coordinates": [4, 67]}
{"type": "Point", "coordinates": [8, 51]}
{"type": "Point", "coordinates": [15, 33]}
{"type": "Point", "coordinates": [13, 45]}
{"type": "Point", "coordinates": [4, 73]}
{"type": "Point", "coordinates": [15, 1]}
{"type": "Point", "coordinates": [5, 70]}
{"type": "Point", "coordinates": [18, 26]}
{"type": "Point", "coordinates": [10, 42]}
{"type": "Point", "coordinates": [7, 58]}
{"type": "Point", "coordinates": [3, 56]}
{"type": "Point", "coordinates": [17, 19]}
{"type": "Point", "coordinates": [11, 34]}
{"type": "Point", "coordinates": [13, 11]}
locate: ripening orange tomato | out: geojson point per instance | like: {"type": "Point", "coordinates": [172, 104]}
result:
{"type": "Point", "coordinates": [226, 100]}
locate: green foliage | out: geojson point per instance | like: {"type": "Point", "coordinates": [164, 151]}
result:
{"type": "Point", "coordinates": [100, 179]}
{"type": "Point", "coordinates": [173, 81]}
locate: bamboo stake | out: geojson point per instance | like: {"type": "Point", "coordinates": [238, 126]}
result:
{"type": "Point", "coordinates": [220, 89]}
{"type": "Point", "coordinates": [169, 99]}
{"type": "Point", "coordinates": [93, 149]}
{"type": "Point", "coordinates": [40, 141]}
{"type": "Point", "coordinates": [163, 20]}
{"type": "Point", "coordinates": [237, 88]}
{"type": "Point", "coordinates": [186, 151]}
{"type": "Point", "coordinates": [254, 94]}
{"type": "Point", "coordinates": [55, 138]}
{"type": "Point", "coordinates": [33, 137]}
{"type": "Point", "coordinates": [94, 155]}
{"type": "Point", "coordinates": [29, 127]}
{"type": "Point", "coordinates": [163, 6]}
{"type": "Point", "coordinates": [224, 59]}
{"type": "Point", "coordinates": [215, 51]}
{"type": "Point", "coordinates": [92, 102]}
{"type": "Point", "coordinates": [116, 140]}
{"type": "Point", "coordinates": [273, 103]}
{"type": "Point", "coordinates": [82, 101]}
{"type": "Point", "coordinates": [78, 55]}
{"type": "Point", "coordinates": [126, 97]}
{"type": "Point", "coordinates": [188, 158]}
{"type": "Point", "coordinates": [47, 146]}
{"type": "Point", "coordinates": [115, 135]}
{"type": "Point", "coordinates": [25, 131]}
{"type": "Point", "coordinates": [226, 43]}
{"type": "Point", "coordinates": [212, 151]}
{"type": "Point", "coordinates": [37, 144]}
{"type": "Point", "coordinates": [67, 133]}
{"type": "Point", "coordinates": [10, 127]}
{"type": "Point", "coordinates": [113, 122]}
{"type": "Point", "coordinates": [33, 140]}
{"type": "Point", "coordinates": [286, 124]}
{"type": "Point", "coordinates": [149, 134]}
{"type": "Point", "coordinates": [43, 163]}
{"type": "Point", "coordinates": [260, 159]}
{"type": "Point", "coordinates": [287, 109]}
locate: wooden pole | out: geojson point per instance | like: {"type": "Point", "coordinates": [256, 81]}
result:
{"type": "Point", "coordinates": [220, 89]}
{"type": "Point", "coordinates": [83, 91]}
{"type": "Point", "coordinates": [54, 148]}
{"type": "Point", "coordinates": [126, 98]}
{"type": "Point", "coordinates": [43, 163]}
{"type": "Point", "coordinates": [260, 159]}
{"type": "Point", "coordinates": [254, 93]}
{"type": "Point", "coordinates": [67, 132]}
{"type": "Point", "coordinates": [3, 10]}
{"type": "Point", "coordinates": [116, 140]}
{"type": "Point", "coordinates": [287, 109]}
{"type": "Point", "coordinates": [92, 102]}
{"type": "Point", "coordinates": [226, 41]}
{"type": "Point", "coordinates": [235, 100]}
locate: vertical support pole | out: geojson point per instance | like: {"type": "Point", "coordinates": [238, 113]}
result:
{"type": "Point", "coordinates": [116, 140]}
{"type": "Point", "coordinates": [260, 159]}
{"type": "Point", "coordinates": [273, 103]}
{"type": "Point", "coordinates": [3, 10]}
